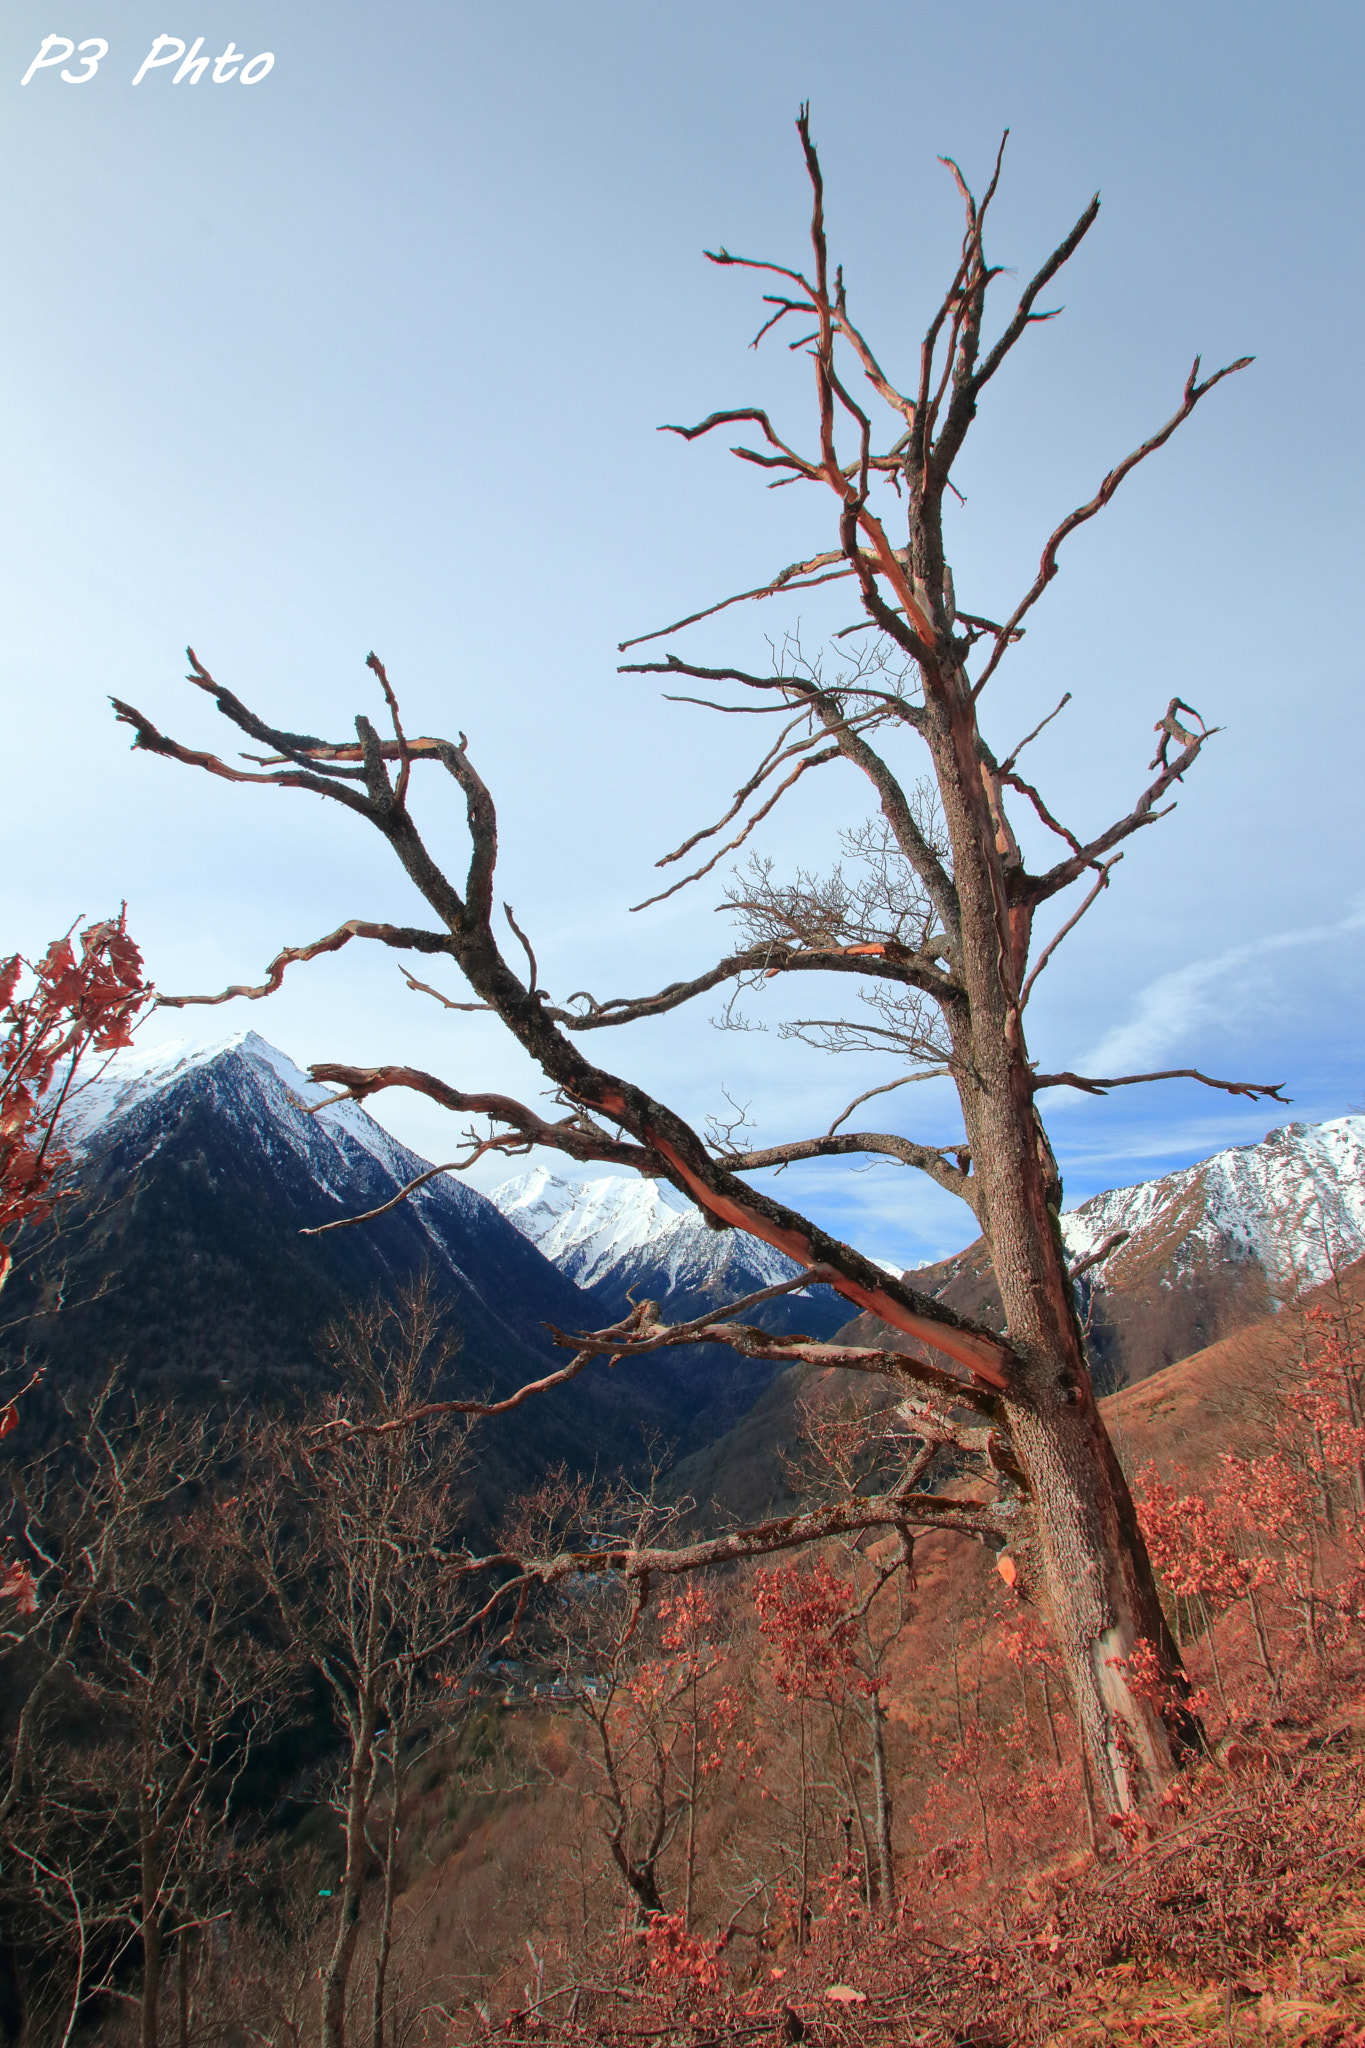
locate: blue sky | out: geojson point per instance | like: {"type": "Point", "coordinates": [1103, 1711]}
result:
{"type": "Point", "coordinates": [372, 354]}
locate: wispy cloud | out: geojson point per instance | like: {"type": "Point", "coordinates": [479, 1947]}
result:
{"type": "Point", "coordinates": [1170, 1008]}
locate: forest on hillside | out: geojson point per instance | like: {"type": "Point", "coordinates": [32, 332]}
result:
{"type": "Point", "coordinates": [274, 1752]}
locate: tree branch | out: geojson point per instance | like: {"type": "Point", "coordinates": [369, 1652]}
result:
{"type": "Point", "coordinates": [796, 576]}
{"type": "Point", "coordinates": [992, 1521]}
{"type": "Point", "coordinates": [1255, 1091]}
{"type": "Point", "coordinates": [576, 1136]}
{"type": "Point", "coordinates": [150, 741]}
{"type": "Point", "coordinates": [819, 760]}
{"type": "Point", "coordinates": [1100, 1253]}
{"type": "Point", "coordinates": [405, 937]}
{"type": "Point", "coordinates": [885, 1088]}
{"type": "Point", "coordinates": [1037, 888]}
{"type": "Point", "coordinates": [929, 1159]}
{"type": "Point", "coordinates": [1047, 567]}
{"type": "Point", "coordinates": [1050, 948]}
{"type": "Point", "coordinates": [883, 962]}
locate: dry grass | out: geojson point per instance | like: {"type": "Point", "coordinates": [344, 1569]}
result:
{"type": "Point", "coordinates": [1241, 1920]}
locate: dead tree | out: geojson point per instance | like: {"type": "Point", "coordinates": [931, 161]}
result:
{"type": "Point", "coordinates": [942, 939]}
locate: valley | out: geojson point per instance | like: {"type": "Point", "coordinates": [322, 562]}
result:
{"type": "Point", "coordinates": [863, 1724]}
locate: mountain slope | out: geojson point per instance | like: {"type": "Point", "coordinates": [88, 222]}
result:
{"type": "Point", "coordinates": [1210, 1248]}
{"type": "Point", "coordinates": [641, 1238]}
{"type": "Point", "coordinates": [185, 1263]}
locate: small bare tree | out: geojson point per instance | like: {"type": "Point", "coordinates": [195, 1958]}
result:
{"type": "Point", "coordinates": [353, 1532]}
{"type": "Point", "coordinates": [839, 1454]}
{"type": "Point", "coordinates": [937, 927]}
{"type": "Point", "coordinates": [653, 1706]}
{"type": "Point", "coordinates": [147, 1693]}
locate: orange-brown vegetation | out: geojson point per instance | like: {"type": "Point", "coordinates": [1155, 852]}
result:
{"type": "Point", "coordinates": [743, 1720]}
{"type": "Point", "coordinates": [839, 1799]}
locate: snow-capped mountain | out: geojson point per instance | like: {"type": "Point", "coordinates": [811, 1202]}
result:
{"type": "Point", "coordinates": [587, 1227]}
{"type": "Point", "coordinates": [260, 1088]}
{"type": "Point", "coordinates": [1210, 1248]}
{"type": "Point", "coordinates": [1218, 1244]}
{"type": "Point", "coordinates": [200, 1167]}
{"type": "Point", "coordinates": [625, 1237]}
{"type": "Point", "coordinates": [183, 1261]}
{"type": "Point", "coordinates": [1294, 1206]}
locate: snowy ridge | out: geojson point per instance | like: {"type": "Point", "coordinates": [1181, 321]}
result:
{"type": "Point", "coordinates": [1294, 1204]}
{"type": "Point", "coordinates": [619, 1232]}
{"type": "Point", "coordinates": [259, 1087]}
{"type": "Point", "coordinates": [586, 1227]}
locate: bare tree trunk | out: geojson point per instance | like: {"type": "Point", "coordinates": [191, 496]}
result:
{"type": "Point", "coordinates": [803, 1900]}
{"type": "Point", "coordinates": [1263, 1641]}
{"type": "Point", "coordinates": [855, 1806]}
{"type": "Point", "coordinates": [641, 1879]}
{"type": "Point", "coordinates": [151, 1981]}
{"type": "Point", "coordinates": [384, 1937]}
{"type": "Point", "coordinates": [973, 1770]}
{"type": "Point", "coordinates": [881, 1792]}
{"type": "Point", "coordinates": [150, 1931]}
{"type": "Point", "coordinates": [337, 1969]}
{"type": "Point", "coordinates": [692, 1779]}
{"type": "Point", "coordinates": [1091, 1570]}
{"type": "Point", "coordinates": [1213, 1655]}
{"type": "Point", "coordinates": [182, 1973]}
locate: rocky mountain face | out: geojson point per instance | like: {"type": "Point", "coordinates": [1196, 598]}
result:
{"type": "Point", "coordinates": [183, 1264]}
{"type": "Point", "coordinates": [1208, 1249]}
{"type": "Point", "coordinates": [641, 1238]}
{"type": "Point", "coordinates": [1212, 1251]}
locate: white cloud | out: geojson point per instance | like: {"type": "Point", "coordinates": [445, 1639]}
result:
{"type": "Point", "coordinates": [1171, 1007]}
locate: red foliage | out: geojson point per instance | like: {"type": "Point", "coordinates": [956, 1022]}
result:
{"type": "Point", "coordinates": [53, 1013]}
{"type": "Point", "coordinates": [686, 1620]}
{"type": "Point", "coordinates": [74, 1003]}
{"type": "Point", "coordinates": [18, 1584]}
{"type": "Point", "coordinates": [1332, 1396]}
{"type": "Point", "coordinates": [1266, 1495]}
{"type": "Point", "coordinates": [806, 1613]}
{"type": "Point", "coordinates": [1189, 1542]}
{"type": "Point", "coordinates": [677, 1957]}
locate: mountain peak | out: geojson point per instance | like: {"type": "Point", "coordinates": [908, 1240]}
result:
{"type": "Point", "coordinates": [588, 1226]}
{"type": "Point", "coordinates": [633, 1239]}
{"type": "Point", "coordinates": [1293, 1205]}
{"type": "Point", "coordinates": [111, 1088]}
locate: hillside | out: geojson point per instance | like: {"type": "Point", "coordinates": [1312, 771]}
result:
{"type": "Point", "coordinates": [1225, 1396]}
{"type": "Point", "coordinates": [185, 1265]}
{"type": "Point", "coordinates": [1238, 1915]}
{"type": "Point", "coordinates": [1208, 1249]}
